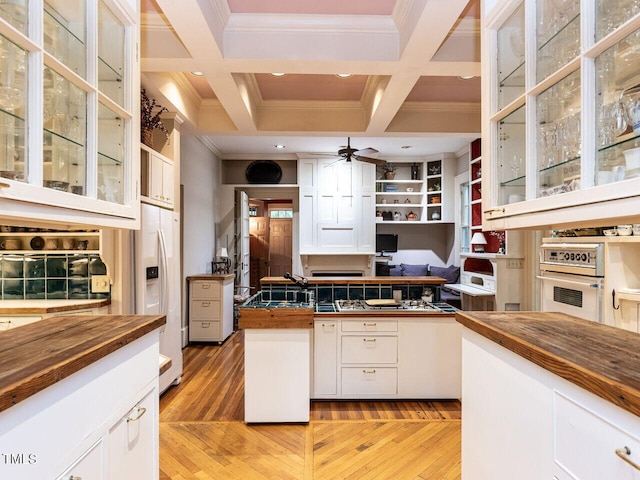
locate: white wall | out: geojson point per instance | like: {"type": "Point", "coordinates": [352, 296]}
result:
{"type": "Point", "coordinates": [199, 176]}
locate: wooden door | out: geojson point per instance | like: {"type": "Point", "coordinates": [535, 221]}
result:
{"type": "Point", "coordinates": [280, 249]}
{"type": "Point", "coordinates": [259, 247]}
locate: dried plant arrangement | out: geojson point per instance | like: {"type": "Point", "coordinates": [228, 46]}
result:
{"type": "Point", "coordinates": [150, 120]}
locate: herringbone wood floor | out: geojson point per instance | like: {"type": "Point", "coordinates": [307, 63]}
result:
{"type": "Point", "coordinates": [203, 435]}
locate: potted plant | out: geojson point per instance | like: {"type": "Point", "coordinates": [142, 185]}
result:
{"type": "Point", "coordinates": [389, 171]}
{"type": "Point", "coordinates": [150, 120]}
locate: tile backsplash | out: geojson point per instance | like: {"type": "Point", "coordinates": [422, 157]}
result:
{"type": "Point", "coordinates": [46, 276]}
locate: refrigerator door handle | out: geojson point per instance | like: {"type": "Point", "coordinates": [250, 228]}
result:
{"type": "Point", "coordinates": [164, 266]}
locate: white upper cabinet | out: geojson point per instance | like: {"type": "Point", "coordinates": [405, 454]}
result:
{"type": "Point", "coordinates": [337, 205]}
{"type": "Point", "coordinates": [561, 88]}
{"type": "Point", "coordinates": [69, 108]}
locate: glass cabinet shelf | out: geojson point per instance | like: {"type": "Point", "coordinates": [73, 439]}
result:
{"type": "Point", "coordinates": [64, 33]}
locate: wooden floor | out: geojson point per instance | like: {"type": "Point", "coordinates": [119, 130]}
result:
{"type": "Point", "coordinates": [203, 435]}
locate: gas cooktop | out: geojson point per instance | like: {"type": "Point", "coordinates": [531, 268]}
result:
{"type": "Point", "coordinates": [391, 306]}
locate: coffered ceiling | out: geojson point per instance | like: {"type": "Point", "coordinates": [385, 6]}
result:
{"type": "Point", "coordinates": [406, 59]}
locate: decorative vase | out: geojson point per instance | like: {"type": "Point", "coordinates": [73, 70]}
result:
{"type": "Point", "coordinates": [389, 175]}
{"type": "Point", "coordinates": [146, 137]}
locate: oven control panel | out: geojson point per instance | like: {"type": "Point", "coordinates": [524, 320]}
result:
{"type": "Point", "coordinates": [584, 256]}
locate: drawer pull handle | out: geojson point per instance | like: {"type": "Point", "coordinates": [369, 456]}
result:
{"type": "Point", "coordinates": [369, 324]}
{"type": "Point", "coordinates": [205, 285]}
{"type": "Point", "coordinates": [206, 304]}
{"type": "Point", "coordinates": [494, 210]}
{"type": "Point", "coordinates": [8, 322]}
{"type": "Point", "coordinates": [368, 339]}
{"type": "Point", "coordinates": [75, 477]}
{"type": "Point", "coordinates": [368, 372]}
{"type": "Point", "coordinates": [328, 325]}
{"type": "Point", "coordinates": [624, 453]}
{"type": "Point", "coordinates": [141, 412]}
{"type": "Point", "coordinates": [4, 185]}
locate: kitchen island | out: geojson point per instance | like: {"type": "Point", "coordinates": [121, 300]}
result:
{"type": "Point", "coordinates": [408, 352]}
{"type": "Point", "coordinates": [90, 382]}
{"type": "Point", "coordinates": [548, 395]}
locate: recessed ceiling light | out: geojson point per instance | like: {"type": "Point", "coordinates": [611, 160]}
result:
{"type": "Point", "coordinates": [279, 146]}
{"type": "Point", "coordinates": [197, 74]}
{"type": "Point", "coordinates": [343, 75]}
{"type": "Point", "coordinates": [278, 74]}
{"type": "Point", "coordinates": [406, 146]}
{"type": "Point", "coordinates": [466, 77]}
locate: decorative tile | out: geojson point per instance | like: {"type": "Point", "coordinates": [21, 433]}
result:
{"type": "Point", "coordinates": [97, 266]}
{"type": "Point", "coordinates": [56, 266]}
{"type": "Point", "coordinates": [372, 292]}
{"type": "Point", "coordinates": [78, 266]}
{"type": "Point", "coordinates": [356, 292]}
{"type": "Point", "coordinates": [324, 294]}
{"type": "Point", "coordinates": [78, 288]}
{"type": "Point", "coordinates": [34, 267]}
{"type": "Point", "coordinates": [12, 289]}
{"type": "Point", "coordinates": [340, 293]}
{"type": "Point", "coordinates": [57, 289]}
{"type": "Point", "coordinates": [35, 289]}
{"type": "Point", "coordinates": [13, 266]}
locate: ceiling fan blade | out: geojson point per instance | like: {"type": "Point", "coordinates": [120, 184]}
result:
{"type": "Point", "coordinates": [366, 152]}
{"type": "Point", "coordinates": [375, 161]}
{"type": "Point", "coordinates": [333, 163]}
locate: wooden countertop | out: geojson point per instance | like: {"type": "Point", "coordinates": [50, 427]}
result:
{"type": "Point", "coordinates": [35, 356]}
{"type": "Point", "coordinates": [427, 280]}
{"type": "Point", "coordinates": [211, 276]}
{"type": "Point", "coordinates": [22, 307]}
{"type": "Point", "coordinates": [601, 359]}
{"type": "Point", "coordinates": [278, 318]}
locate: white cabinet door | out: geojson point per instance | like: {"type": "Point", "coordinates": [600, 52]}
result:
{"type": "Point", "coordinates": [133, 441]}
{"type": "Point", "coordinates": [325, 358]}
{"type": "Point", "coordinates": [430, 358]}
{"type": "Point", "coordinates": [160, 180]}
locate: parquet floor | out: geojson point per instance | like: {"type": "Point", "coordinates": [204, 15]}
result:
{"type": "Point", "coordinates": [203, 435]}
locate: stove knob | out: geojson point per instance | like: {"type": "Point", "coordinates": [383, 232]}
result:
{"type": "Point", "coordinates": [566, 256]}
{"type": "Point", "coordinates": [584, 257]}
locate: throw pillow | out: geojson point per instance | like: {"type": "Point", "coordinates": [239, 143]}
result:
{"type": "Point", "coordinates": [415, 270]}
{"type": "Point", "coordinates": [450, 273]}
{"type": "Point", "coordinates": [395, 270]}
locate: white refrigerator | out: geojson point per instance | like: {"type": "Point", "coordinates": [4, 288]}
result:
{"type": "Point", "coordinates": [157, 281]}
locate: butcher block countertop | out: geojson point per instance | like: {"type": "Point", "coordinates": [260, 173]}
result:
{"type": "Point", "coordinates": [211, 276]}
{"type": "Point", "coordinates": [601, 359]}
{"type": "Point", "coordinates": [22, 307]}
{"type": "Point", "coordinates": [35, 356]}
{"type": "Point", "coordinates": [278, 318]}
{"type": "Point", "coordinates": [427, 280]}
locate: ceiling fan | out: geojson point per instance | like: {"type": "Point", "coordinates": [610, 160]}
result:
{"type": "Point", "coordinates": [349, 153]}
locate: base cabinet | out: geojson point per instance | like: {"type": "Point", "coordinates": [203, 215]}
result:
{"type": "Point", "coordinates": [210, 308]}
{"type": "Point", "coordinates": [385, 357]}
{"type": "Point", "coordinates": [78, 428]}
{"type": "Point", "coordinates": [521, 421]}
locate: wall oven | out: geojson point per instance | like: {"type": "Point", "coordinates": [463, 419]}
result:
{"type": "Point", "coordinates": [572, 276]}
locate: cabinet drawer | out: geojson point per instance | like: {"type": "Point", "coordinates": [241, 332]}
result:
{"type": "Point", "coordinates": [205, 290]}
{"type": "Point", "coordinates": [374, 381]}
{"type": "Point", "coordinates": [369, 349]}
{"type": "Point", "coordinates": [205, 331]}
{"type": "Point", "coordinates": [370, 325]}
{"type": "Point", "coordinates": [585, 443]}
{"type": "Point", "coordinates": [206, 309]}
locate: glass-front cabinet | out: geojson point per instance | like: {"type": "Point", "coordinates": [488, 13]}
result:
{"type": "Point", "coordinates": [69, 82]}
{"type": "Point", "coordinates": [561, 112]}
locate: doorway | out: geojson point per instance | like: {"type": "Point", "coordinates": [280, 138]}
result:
{"type": "Point", "coordinates": [270, 239]}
